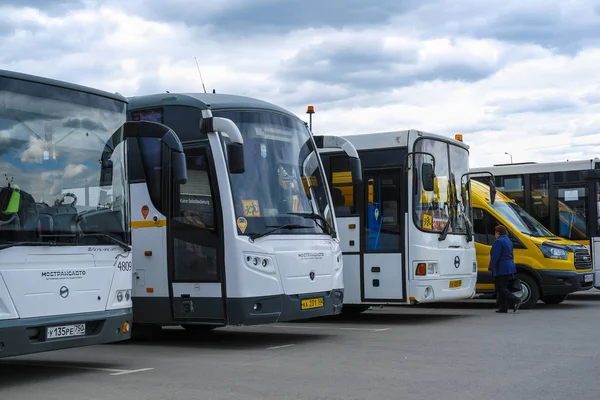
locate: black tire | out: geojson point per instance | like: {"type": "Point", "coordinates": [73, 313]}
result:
{"type": "Point", "coordinates": [353, 310]}
{"type": "Point", "coordinates": [554, 298]}
{"type": "Point", "coordinates": [531, 291]}
{"type": "Point", "coordinates": [145, 332]}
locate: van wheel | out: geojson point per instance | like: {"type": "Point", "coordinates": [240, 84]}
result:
{"type": "Point", "coordinates": [554, 299]}
{"type": "Point", "coordinates": [531, 291]}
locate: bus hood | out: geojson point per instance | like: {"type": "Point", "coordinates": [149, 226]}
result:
{"type": "Point", "coordinates": [308, 268]}
{"type": "Point", "coordinates": [43, 282]}
{"type": "Point", "coordinates": [554, 240]}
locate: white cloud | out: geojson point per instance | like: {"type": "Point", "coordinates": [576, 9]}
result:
{"type": "Point", "coordinates": [528, 87]}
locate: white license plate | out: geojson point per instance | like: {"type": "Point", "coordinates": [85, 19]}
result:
{"type": "Point", "coordinates": [57, 332]}
{"type": "Point", "coordinates": [588, 278]}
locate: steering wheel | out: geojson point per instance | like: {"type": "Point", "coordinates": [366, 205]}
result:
{"type": "Point", "coordinates": [73, 203]}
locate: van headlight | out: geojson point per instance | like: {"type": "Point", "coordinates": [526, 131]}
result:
{"type": "Point", "coordinates": [553, 251]}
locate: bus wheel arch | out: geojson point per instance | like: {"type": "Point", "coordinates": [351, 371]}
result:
{"type": "Point", "coordinates": [531, 287]}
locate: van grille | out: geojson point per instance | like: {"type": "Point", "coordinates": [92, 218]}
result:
{"type": "Point", "coordinates": [583, 260]}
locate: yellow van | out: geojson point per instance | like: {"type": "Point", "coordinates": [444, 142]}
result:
{"type": "Point", "coordinates": [550, 267]}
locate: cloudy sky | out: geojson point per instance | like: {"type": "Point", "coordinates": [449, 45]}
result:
{"type": "Point", "coordinates": [511, 76]}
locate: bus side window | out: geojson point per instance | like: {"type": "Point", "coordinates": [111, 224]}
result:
{"type": "Point", "coordinates": [342, 188]}
{"type": "Point", "coordinates": [479, 226]}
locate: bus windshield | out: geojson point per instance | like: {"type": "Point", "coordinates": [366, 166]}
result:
{"type": "Point", "coordinates": [522, 221]}
{"type": "Point", "coordinates": [283, 176]}
{"type": "Point", "coordinates": [51, 186]}
{"type": "Point", "coordinates": [450, 196]}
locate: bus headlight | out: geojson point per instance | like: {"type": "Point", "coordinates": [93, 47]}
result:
{"type": "Point", "coordinates": [553, 251]}
{"type": "Point", "coordinates": [432, 268]}
{"type": "Point", "coordinates": [260, 263]}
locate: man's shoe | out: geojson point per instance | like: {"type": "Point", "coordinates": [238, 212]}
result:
{"type": "Point", "coordinates": [517, 305]}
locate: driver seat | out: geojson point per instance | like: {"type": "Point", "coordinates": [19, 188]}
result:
{"type": "Point", "coordinates": [10, 200]}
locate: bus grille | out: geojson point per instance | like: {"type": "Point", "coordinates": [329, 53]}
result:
{"type": "Point", "coordinates": [583, 260]}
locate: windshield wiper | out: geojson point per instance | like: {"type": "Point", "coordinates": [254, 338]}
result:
{"type": "Point", "coordinates": [113, 240]}
{"type": "Point", "coordinates": [15, 244]}
{"type": "Point", "coordinates": [317, 217]}
{"type": "Point", "coordinates": [255, 236]}
{"type": "Point", "coordinates": [123, 245]}
{"type": "Point", "coordinates": [468, 228]}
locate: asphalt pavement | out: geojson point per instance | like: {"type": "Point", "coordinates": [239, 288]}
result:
{"type": "Point", "coordinates": [447, 351]}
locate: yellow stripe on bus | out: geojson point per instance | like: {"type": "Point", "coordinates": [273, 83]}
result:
{"type": "Point", "coordinates": [148, 224]}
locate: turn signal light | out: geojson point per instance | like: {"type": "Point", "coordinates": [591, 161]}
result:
{"type": "Point", "coordinates": [149, 290]}
{"type": "Point", "coordinates": [421, 269]}
{"type": "Point", "coordinates": [125, 327]}
{"type": "Point", "coordinates": [148, 253]}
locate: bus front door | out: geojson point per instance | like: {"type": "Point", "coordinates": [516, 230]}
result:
{"type": "Point", "coordinates": [195, 244]}
{"type": "Point", "coordinates": [382, 264]}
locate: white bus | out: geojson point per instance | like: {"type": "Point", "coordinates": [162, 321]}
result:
{"type": "Point", "coordinates": [65, 277]}
{"type": "Point", "coordinates": [564, 196]}
{"type": "Point", "coordinates": [406, 231]}
{"type": "Point", "coordinates": [251, 238]}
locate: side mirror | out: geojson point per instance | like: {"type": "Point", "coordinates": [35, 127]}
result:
{"type": "Point", "coordinates": [356, 170]}
{"type": "Point", "coordinates": [427, 176]}
{"type": "Point", "coordinates": [235, 158]}
{"type": "Point", "coordinates": [492, 192]}
{"type": "Point", "coordinates": [179, 168]}
{"type": "Point", "coordinates": [106, 172]}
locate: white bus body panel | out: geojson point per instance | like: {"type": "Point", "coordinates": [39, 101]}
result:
{"type": "Point", "coordinates": [595, 252]}
{"type": "Point", "coordinates": [52, 281]}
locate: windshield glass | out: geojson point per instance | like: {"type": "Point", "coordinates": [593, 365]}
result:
{"type": "Point", "coordinates": [51, 145]}
{"type": "Point", "coordinates": [282, 175]}
{"type": "Point", "coordinates": [522, 221]}
{"type": "Point", "coordinates": [450, 187]}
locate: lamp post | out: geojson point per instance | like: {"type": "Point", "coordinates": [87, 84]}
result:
{"type": "Point", "coordinates": [509, 156]}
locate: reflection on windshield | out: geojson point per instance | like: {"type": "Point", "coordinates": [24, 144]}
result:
{"type": "Point", "coordinates": [522, 221]}
{"type": "Point", "coordinates": [282, 175]}
{"type": "Point", "coordinates": [434, 209]}
{"type": "Point", "coordinates": [51, 142]}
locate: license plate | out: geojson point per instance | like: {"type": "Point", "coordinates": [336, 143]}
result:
{"type": "Point", "coordinates": [455, 284]}
{"type": "Point", "coordinates": [588, 278]}
{"type": "Point", "coordinates": [57, 332]}
{"type": "Point", "coordinates": [312, 303]}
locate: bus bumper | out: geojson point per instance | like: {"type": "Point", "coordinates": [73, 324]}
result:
{"type": "Point", "coordinates": [565, 282]}
{"type": "Point", "coordinates": [281, 308]}
{"type": "Point", "coordinates": [28, 335]}
{"type": "Point", "coordinates": [435, 290]}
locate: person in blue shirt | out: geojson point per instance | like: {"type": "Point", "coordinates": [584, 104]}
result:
{"type": "Point", "coordinates": [502, 266]}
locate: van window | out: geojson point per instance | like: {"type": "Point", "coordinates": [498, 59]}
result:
{"type": "Point", "coordinates": [484, 225]}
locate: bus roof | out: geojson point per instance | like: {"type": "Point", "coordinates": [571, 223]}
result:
{"type": "Point", "coordinates": [61, 84]}
{"type": "Point", "coordinates": [375, 140]}
{"type": "Point", "coordinates": [203, 101]}
{"type": "Point", "coordinates": [529, 168]}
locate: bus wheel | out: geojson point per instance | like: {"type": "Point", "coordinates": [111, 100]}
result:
{"type": "Point", "coordinates": [531, 291]}
{"type": "Point", "coordinates": [554, 299]}
{"type": "Point", "coordinates": [145, 332]}
{"type": "Point", "coordinates": [198, 329]}
{"type": "Point", "coordinates": [354, 310]}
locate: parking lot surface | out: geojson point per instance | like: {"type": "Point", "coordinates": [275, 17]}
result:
{"type": "Point", "coordinates": [448, 351]}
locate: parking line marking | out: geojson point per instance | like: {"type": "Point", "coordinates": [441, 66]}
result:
{"type": "Point", "coordinates": [279, 347]}
{"type": "Point", "coordinates": [112, 371]}
{"type": "Point", "coordinates": [126, 372]}
{"type": "Point", "coordinates": [332, 328]}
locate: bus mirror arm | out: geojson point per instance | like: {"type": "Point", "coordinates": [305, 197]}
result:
{"type": "Point", "coordinates": [492, 184]}
{"type": "Point", "coordinates": [337, 142]}
{"type": "Point", "coordinates": [235, 149]}
{"type": "Point", "coordinates": [179, 168]}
